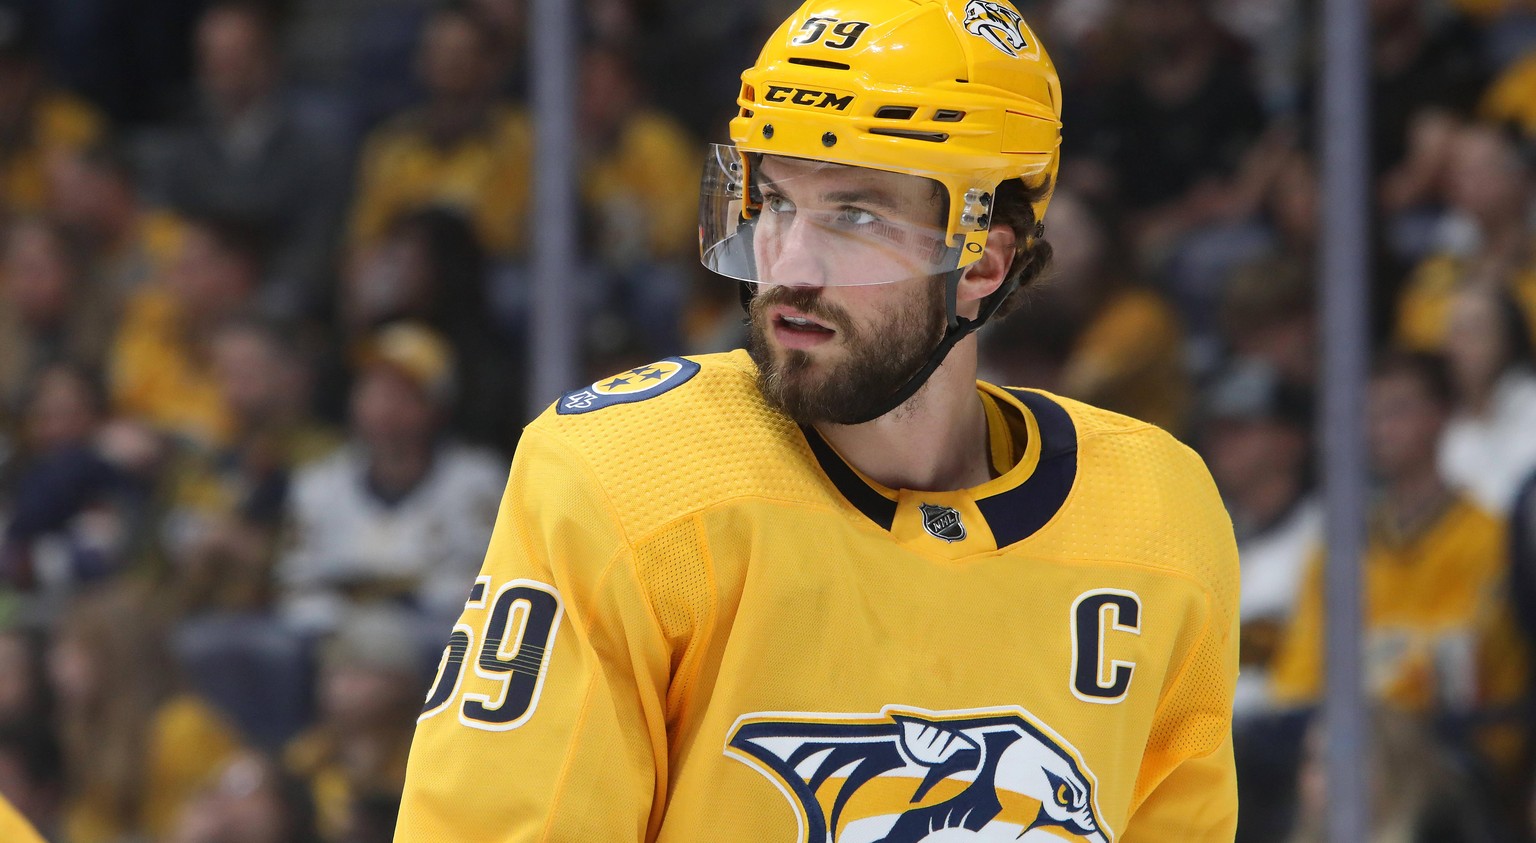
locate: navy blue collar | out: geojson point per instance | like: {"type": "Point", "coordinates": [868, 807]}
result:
{"type": "Point", "coordinates": [1013, 514]}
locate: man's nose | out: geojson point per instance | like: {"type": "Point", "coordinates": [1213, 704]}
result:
{"type": "Point", "coordinates": [799, 255]}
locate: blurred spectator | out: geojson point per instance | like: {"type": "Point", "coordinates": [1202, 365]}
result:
{"type": "Point", "coordinates": [399, 511]}
{"type": "Point", "coordinates": [639, 174]}
{"type": "Point", "coordinates": [1269, 314]}
{"type": "Point", "coordinates": [227, 504]}
{"type": "Point", "coordinates": [1174, 128]}
{"type": "Point", "coordinates": [95, 198]}
{"type": "Point", "coordinates": [32, 774]}
{"type": "Point", "coordinates": [36, 121]}
{"type": "Point", "coordinates": [251, 800]}
{"type": "Point", "coordinates": [49, 311]}
{"type": "Point", "coordinates": [356, 53]}
{"type": "Point", "coordinates": [1485, 239]}
{"type": "Point", "coordinates": [1490, 442]}
{"type": "Point", "coordinates": [370, 690]}
{"type": "Point", "coordinates": [1511, 98]}
{"type": "Point", "coordinates": [429, 267]}
{"type": "Point", "coordinates": [640, 167]}
{"type": "Point", "coordinates": [508, 19]}
{"type": "Point", "coordinates": [463, 149]}
{"type": "Point", "coordinates": [162, 364]}
{"type": "Point", "coordinates": [1436, 616]}
{"type": "Point", "coordinates": [712, 319]}
{"type": "Point", "coordinates": [1254, 430]}
{"type": "Point", "coordinates": [1421, 62]}
{"type": "Point", "coordinates": [1255, 437]}
{"type": "Point", "coordinates": [248, 157]}
{"type": "Point", "coordinates": [79, 500]}
{"type": "Point", "coordinates": [136, 748]}
{"type": "Point", "coordinates": [1418, 793]}
{"type": "Point", "coordinates": [1118, 344]}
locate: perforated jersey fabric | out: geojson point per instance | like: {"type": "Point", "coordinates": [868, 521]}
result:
{"type": "Point", "coordinates": [695, 622]}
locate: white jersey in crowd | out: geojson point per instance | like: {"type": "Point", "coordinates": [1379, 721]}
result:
{"type": "Point", "coordinates": [1274, 563]}
{"type": "Point", "coordinates": [344, 536]}
{"type": "Point", "coordinates": [1490, 455]}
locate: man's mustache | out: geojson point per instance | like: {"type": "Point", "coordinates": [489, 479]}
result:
{"type": "Point", "coordinates": [807, 300]}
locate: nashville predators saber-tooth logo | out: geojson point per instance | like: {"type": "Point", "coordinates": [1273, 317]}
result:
{"type": "Point", "coordinates": [907, 775]}
{"type": "Point", "coordinates": [1000, 25]}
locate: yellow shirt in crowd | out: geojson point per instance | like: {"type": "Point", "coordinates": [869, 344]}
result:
{"type": "Point", "coordinates": [188, 744]}
{"type": "Point", "coordinates": [1130, 359]}
{"type": "Point", "coordinates": [60, 123]}
{"type": "Point", "coordinates": [334, 785]}
{"type": "Point", "coordinates": [654, 167]}
{"type": "Point", "coordinates": [486, 175]}
{"type": "Point", "coordinates": [1436, 619]}
{"type": "Point", "coordinates": [1424, 307]}
{"type": "Point", "coordinates": [158, 376]}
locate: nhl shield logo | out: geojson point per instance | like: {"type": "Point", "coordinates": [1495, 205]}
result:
{"type": "Point", "coordinates": [942, 522]}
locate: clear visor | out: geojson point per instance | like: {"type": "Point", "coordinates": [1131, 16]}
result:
{"type": "Point", "coordinates": [791, 221]}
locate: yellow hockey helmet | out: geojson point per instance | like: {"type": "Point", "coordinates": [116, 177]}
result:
{"type": "Point", "coordinates": [957, 91]}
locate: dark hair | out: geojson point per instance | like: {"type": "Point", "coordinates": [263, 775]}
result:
{"type": "Point", "coordinates": [246, 241]}
{"type": "Point", "coordinates": [485, 30]}
{"type": "Point", "coordinates": [1430, 370]}
{"type": "Point", "coordinates": [457, 264]}
{"type": "Point", "coordinates": [266, 14]}
{"type": "Point", "coordinates": [1014, 206]}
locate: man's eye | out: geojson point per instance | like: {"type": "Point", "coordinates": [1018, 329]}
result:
{"type": "Point", "coordinates": [778, 205]}
{"type": "Point", "coordinates": [856, 216]}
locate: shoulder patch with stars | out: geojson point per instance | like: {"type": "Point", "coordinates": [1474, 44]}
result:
{"type": "Point", "coordinates": [629, 387]}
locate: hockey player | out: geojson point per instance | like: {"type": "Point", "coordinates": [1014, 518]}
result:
{"type": "Point", "coordinates": [832, 588]}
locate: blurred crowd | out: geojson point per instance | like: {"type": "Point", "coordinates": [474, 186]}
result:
{"type": "Point", "coordinates": [264, 287]}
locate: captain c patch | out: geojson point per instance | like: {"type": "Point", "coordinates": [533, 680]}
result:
{"type": "Point", "coordinates": [629, 387]}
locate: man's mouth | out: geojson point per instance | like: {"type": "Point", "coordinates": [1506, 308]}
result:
{"type": "Point", "coordinates": [794, 329]}
{"type": "Point", "coordinates": [802, 323]}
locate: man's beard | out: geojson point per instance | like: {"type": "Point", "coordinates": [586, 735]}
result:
{"type": "Point", "coordinates": [879, 360]}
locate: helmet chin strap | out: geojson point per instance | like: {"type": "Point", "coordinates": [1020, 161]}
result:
{"type": "Point", "coordinates": [956, 330]}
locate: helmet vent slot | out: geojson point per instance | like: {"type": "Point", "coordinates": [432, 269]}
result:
{"type": "Point", "coordinates": [829, 65]}
{"type": "Point", "coordinates": [911, 134]}
{"type": "Point", "coordinates": [948, 115]}
{"type": "Point", "coordinates": [895, 112]}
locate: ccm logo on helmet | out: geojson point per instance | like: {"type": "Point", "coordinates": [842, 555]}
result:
{"type": "Point", "coordinates": [807, 97]}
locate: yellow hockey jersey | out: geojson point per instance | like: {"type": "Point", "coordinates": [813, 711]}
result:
{"type": "Point", "coordinates": [697, 623]}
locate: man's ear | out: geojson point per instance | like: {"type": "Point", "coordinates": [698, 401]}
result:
{"type": "Point", "coordinates": [983, 277]}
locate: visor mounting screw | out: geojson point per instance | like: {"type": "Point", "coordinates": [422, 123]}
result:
{"type": "Point", "coordinates": [967, 219]}
{"type": "Point", "coordinates": [986, 200]}
{"type": "Point", "coordinates": [983, 221]}
{"type": "Point", "coordinates": [829, 139]}
{"type": "Point", "coordinates": [768, 130]}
